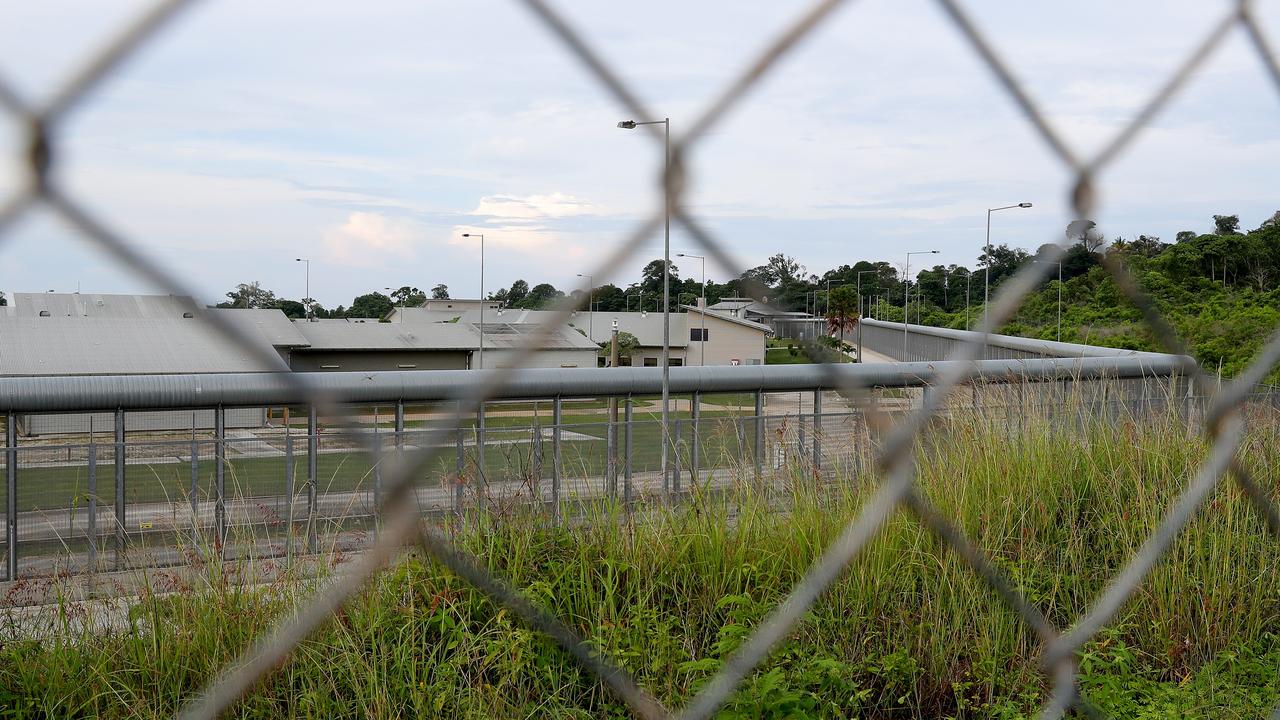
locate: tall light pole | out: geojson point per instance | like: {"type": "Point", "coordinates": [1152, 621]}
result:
{"type": "Point", "coordinates": [906, 295]}
{"type": "Point", "coordinates": [307, 299]}
{"type": "Point", "coordinates": [986, 289]}
{"type": "Point", "coordinates": [481, 236]}
{"type": "Point", "coordinates": [702, 346]}
{"type": "Point", "coordinates": [666, 289]}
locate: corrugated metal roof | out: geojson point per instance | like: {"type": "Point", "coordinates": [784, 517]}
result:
{"type": "Point", "coordinates": [71, 345]}
{"type": "Point", "coordinates": [271, 326]}
{"type": "Point", "coordinates": [156, 307]}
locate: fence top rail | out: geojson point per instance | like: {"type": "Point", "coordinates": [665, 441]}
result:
{"type": "Point", "coordinates": [1047, 348]}
{"type": "Point", "coordinates": [155, 392]}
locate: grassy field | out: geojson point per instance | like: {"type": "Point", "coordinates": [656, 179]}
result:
{"type": "Point", "coordinates": [508, 455]}
{"type": "Point", "coordinates": [908, 631]}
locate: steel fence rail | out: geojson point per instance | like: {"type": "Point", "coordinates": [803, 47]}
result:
{"type": "Point", "coordinates": [39, 157]}
{"type": "Point", "coordinates": [172, 392]}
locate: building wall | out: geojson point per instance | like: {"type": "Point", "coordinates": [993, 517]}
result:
{"type": "Point", "coordinates": [655, 355]}
{"type": "Point", "coordinates": [726, 342]}
{"type": "Point", "coordinates": [573, 357]}
{"type": "Point", "coordinates": [376, 360]}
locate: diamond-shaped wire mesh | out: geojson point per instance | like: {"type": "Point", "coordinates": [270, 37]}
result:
{"type": "Point", "coordinates": [402, 526]}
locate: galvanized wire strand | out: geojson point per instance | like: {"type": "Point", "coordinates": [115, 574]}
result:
{"type": "Point", "coordinates": [264, 657]}
{"type": "Point", "coordinates": [829, 566]}
{"type": "Point", "coordinates": [1152, 550]}
{"type": "Point", "coordinates": [790, 37]}
{"type": "Point", "coordinates": [11, 101]}
{"type": "Point", "coordinates": [270, 650]}
{"type": "Point", "coordinates": [109, 59]}
{"type": "Point", "coordinates": [463, 564]}
{"type": "Point", "coordinates": [1011, 85]}
{"type": "Point", "coordinates": [1260, 42]}
{"type": "Point", "coordinates": [1166, 92]}
{"type": "Point", "coordinates": [575, 42]}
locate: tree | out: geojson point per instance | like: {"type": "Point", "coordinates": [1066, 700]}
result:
{"type": "Point", "coordinates": [843, 314]}
{"type": "Point", "coordinates": [627, 344]}
{"type": "Point", "coordinates": [249, 296]}
{"type": "Point", "coordinates": [1184, 236]}
{"type": "Point", "coordinates": [1003, 261]}
{"type": "Point", "coordinates": [370, 305]}
{"type": "Point", "coordinates": [408, 297]}
{"type": "Point", "coordinates": [3, 301]}
{"type": "Point", "coordinates": [651, 281]}
{"type": "Point", "coordinates": [1271, 222]}
{"type": "Point", "coordinates": [292, 308]}
{"type": "Point", "coordinates": [440, 292]}
{"type": "Point", "coordinates": [1086, 233]}
{"type": "Point", "coordinates": [1226, 224]}
{"type": "Point", "coordinates": [519, 291]}
{"type": "Point", "coordinates": [542, 295]}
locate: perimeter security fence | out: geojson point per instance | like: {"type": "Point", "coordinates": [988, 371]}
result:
{"type": "Point", "coordinates": [1221, 411]}
{"type": "Point", "coordinates": [125, 494]}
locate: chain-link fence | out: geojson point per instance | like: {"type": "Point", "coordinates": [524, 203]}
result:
{"type": "Point", "coordinates": [395, 475]}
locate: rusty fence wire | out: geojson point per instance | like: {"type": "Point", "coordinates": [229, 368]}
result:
{"type": "Point", "coordinates": [897, 490]}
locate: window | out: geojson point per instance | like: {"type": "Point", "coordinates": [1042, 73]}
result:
{"type": "Point", "coordinates": [624, 362]}
{"type": "Point", "coordinates": [698, 334]}
{"type": "Point", "coordinates": [406, 366]}
{"type": "Point", "coordinates": [651, 362]}
{"type": "Point", "coordinates": [602, 361]}
{"type": "Point", "coordinates": [676, 362]}
{"type": "Point", "coordinates": [753, 361]}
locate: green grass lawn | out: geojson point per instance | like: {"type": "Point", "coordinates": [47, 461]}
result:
{"type": "Point", "coordinates": [783, 356]}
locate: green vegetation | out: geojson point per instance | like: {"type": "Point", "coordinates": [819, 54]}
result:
{"type": "Point", "coordinates": [908, 631]}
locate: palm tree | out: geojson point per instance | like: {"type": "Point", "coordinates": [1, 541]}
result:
{"type": "Point", "coordinates": [843, 312]}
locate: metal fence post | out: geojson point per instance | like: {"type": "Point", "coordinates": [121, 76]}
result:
{"type": "Point", "coordinates": [695, 414]}
{"type": "Point", "coordinates": [399, 444]}
{"type": "Point", "coordinates": [557, 417]}
{"type": "Point", "coordinates": [482, 480]}
{"type": "Point", "coordinates": [11, 495]}
{"type": "Point", "coordinates": [377, 468]}
{"type": "Point", "coordinates": [313, 448]}
{"type": "Point", "coordinates": [628, 418]}
{"type": "Point", "coordinates": [195, 486]}
{"type": "Point", "coordinates": [611, 451]}
{"type": "Point", "coordinates": [800, 433]}
{"type": "Point", "coordinates": [759, 428]}
{"type": "Point", "coordinates": [817, 432]}
{"type": "Point", "coordinates": [460, 460]}
{"type": "Point", "coordinates": [120, 501]}
{"type": "Point", "coordinates": [93, 505]}
{"type": "Point", "coordinates": [288, 495]}
{"type": "Point", "coordinates": [220, 477]}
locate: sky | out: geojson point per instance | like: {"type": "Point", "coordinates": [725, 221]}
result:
{"type": "Point", "coordinates": [369, 136]}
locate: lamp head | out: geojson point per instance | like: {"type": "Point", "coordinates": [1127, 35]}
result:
{"type": "Point", "coordinates": [1024, 205]}
{"type": "Point", "coordinates": [615, 323]}
{"type": "Point", "coordinates": [627, 124]}
{"type": "Point", "coordinates": [466, 234]}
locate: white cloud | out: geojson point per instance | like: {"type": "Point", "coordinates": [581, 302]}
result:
{"type": "Point", "coordinates": [531, 207]}
{"type": "Point", "coordinates": [369, 239]}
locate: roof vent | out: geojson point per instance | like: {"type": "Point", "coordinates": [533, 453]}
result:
{"type": "Point", "coordinates": [44, 313]}
{"type": "Point", "coordinates": [188, 314]}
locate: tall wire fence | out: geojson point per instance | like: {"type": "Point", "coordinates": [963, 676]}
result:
{"type": "Point", "coordinates": [402, 524]}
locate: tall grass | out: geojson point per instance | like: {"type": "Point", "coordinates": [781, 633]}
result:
{"type": "Point", "coordinates": [908, 631]}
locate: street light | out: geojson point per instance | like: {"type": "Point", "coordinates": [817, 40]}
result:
{"type": "Point", "coordinates": [906, 295]}
{"type": "Point", "coordinates": [986, 289]}
{"type": "Point", "coordinates": [702, 346]}
{"type": "Point", "coordinates": [666, 290]}
{"type": "Point", "coordinates": [307, 299]}
{"type": "Point", "coordinates": [591, 311]}
{"type": "Point", "coordinates": [481, 236]}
